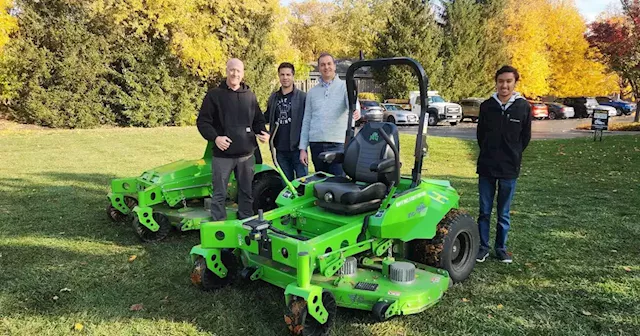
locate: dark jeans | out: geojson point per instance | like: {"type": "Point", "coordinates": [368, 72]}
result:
{"type": "Point", "coordinates": [487, 190]}
{"type": "Point", "coordinates": [331, 168]}
{"type": "Point", "coordinates": [243, 168]}
{"type": "Point", "coordinates": [290, 164]}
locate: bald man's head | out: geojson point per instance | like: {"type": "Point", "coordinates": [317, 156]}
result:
{"type": "Point", "coordinates": [235, 73]}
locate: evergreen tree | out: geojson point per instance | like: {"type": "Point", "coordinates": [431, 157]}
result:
{"type": "Point", "coordinates": [473, 48]}
{"type": "Point", "coordinates": [410, 31]}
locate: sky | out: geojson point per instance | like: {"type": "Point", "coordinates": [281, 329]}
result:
{"type": "Point", "coordinates": [588, 8]}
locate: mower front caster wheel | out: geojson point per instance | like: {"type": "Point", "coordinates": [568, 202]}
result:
{"type": "Point", "coordinates": [379, 310]}
{"type": "Point", "coordinates": [149, 236]}
{"type": "Point", "coordinates": [301, 323]}
{"type": "Point", "coordinates": [116, 215]}
{"type": "Point", "coordinates": [204, 278]}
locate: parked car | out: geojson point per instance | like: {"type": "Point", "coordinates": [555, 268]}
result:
{"type": "Point", "coordinates": [559, 111]}
{"type": "Point", "coordinates": [439, 109]}
{"type": "Point", "coordinates": [370, 110]}
{"type": "Point", "coordinates": [538, 110]}
{"type": "Point", "coordinates": [610, 109]}
{"type": "Point", "coordinates": [471, 108]}
{"type": "Point", "coordinates": [621, 106]}
{"type": "Point", "coordinates": [404, 103]}
{"type": "Point", "coordinates": [583, 106]}
{"type": "Point", "coordinates": [394, 113]}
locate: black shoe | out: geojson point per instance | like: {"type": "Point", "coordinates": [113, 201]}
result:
{"type": "Point", "coordinates": [504, 256]}
{"type": "Point", "coordinates": [482, 255]}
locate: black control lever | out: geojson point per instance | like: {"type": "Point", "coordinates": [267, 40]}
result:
{"type": "Point", "coordinates": [258, 227]}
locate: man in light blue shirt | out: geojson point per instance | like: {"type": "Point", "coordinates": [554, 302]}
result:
{"type": "Point", "coordinates": [325, 118]}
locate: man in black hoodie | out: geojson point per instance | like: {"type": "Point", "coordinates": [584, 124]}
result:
{"type": "Point", "coordinates": [504, 131]}
{"type": "Point", "coordinates": [231, 118]}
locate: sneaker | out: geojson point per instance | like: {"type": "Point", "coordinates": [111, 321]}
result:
{"type": "Point", "coordinates": [504, 256]}
{"type": "Point", "coordinates": [482, 255]}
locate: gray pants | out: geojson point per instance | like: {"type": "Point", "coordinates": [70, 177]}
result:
{"type": "Point", "coordinates": [244, 170]}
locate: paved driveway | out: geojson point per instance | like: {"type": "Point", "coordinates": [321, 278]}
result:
{"type": "Point", "coordinates": [540, 129]}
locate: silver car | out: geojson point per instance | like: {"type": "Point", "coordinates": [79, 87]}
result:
{"type": "Point", "coordinates": [394, 113]}
{"type": "Point", "coordinates": [371, 111]}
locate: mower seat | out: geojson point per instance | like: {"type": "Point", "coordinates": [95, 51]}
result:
{"type": "Point", "coordinates": [369, 163]}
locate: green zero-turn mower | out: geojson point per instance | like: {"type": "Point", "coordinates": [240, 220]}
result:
{"type": "Point", "coordinates": [375, 241]}
{"type": "Point", "coordinates": [179, 194]}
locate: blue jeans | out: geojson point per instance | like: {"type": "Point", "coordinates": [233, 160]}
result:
{"type": "Point", "coordinates": [487, 190]}
{"type": "Point", "coordinates": [290, 164]}
{"type": "Point", "coordinates": [319, 147]}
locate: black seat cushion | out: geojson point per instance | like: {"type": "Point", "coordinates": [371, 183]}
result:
{"type": "Point", "coordinates": [349, 193]}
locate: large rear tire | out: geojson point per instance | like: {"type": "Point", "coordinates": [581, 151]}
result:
{"type": "Point", "coordinates": [432, 119]}
{"type": "Point", "coordinates": [453, 248]}
{"type": "Point", "coordinates": [266, 188]}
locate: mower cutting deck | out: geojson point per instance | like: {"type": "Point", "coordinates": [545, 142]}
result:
{"type": "Point", "coordinates": [178, 194]}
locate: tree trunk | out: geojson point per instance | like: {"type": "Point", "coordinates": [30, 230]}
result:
{"type": "Point", "coordinates": [636, 95]}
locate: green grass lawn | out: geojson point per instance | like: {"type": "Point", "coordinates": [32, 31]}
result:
{"type": "Point", "coordinates": [575, 238]}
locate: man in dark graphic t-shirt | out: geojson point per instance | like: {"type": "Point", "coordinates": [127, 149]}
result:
{"type": "Point", "coordinates": [286, 108]}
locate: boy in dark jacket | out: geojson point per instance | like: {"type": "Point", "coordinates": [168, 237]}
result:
{"type": "Point", "coordinates": [231, 118]}
{"type": "Point", "coordinates": [286, 108]}
{"type": "Point", "coordinates": [504, 131]}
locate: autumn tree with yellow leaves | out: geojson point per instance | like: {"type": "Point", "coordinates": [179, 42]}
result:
{"type": "Point", "coordinates": [546, 43]}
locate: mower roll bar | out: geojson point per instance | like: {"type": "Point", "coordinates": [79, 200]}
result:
{"type": "Point", "coordinates": [423, 82]}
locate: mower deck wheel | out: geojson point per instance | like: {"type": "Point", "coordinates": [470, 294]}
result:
{"type": "Point", "coordinates": [207, 280]}
{"type": "Point", "coordinates": [116, 215]}
{"type": "Point", "coordinates": [301, 323]}
{"type": "Point", "coordinates": [149, 236]}
{"type": "Point", "coordinates": [379, 310]}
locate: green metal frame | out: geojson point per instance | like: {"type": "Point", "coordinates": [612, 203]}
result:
{"type": "Point", "coordinates": [164, 188]}
{"type": "Point", "coordinates": [310, 266]}
{"type": "Point", "coordinates": [305, 246]}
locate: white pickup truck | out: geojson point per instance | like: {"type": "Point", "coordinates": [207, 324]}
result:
{"type": "Point", "coordinates": [439, 110]}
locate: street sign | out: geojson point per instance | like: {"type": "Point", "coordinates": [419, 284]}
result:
{"type": "Point", "coordinates": [599, 122]}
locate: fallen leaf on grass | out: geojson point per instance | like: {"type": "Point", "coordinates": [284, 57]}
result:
{"type": "Point", "coordinates": [586, 313]}
{"type": "Point", "coordinates": [465, 300]}
{"type": "Point", "coordinates": [78, 327]}
{"type": "Point", "coordinates": [627, 268]}
{"type": "Point", "coordinates": [136, 307]}
{"type": "Point", "coordinates": [500, 306]}
{"type": "Point", "coordinates": [132, 258]}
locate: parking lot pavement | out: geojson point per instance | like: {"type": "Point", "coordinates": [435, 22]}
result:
{"type": "Point", "coordinates": [540, 129]}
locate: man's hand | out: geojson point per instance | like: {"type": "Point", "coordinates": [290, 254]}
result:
{"type": "Point", "coordinates": [223, 142]}
{"type": "Point", "coordinates": [263, 136]}
{"type": "Point", "coordinates": [304, 158]}
{"type": "Point", "coordinates": [356, 115]}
